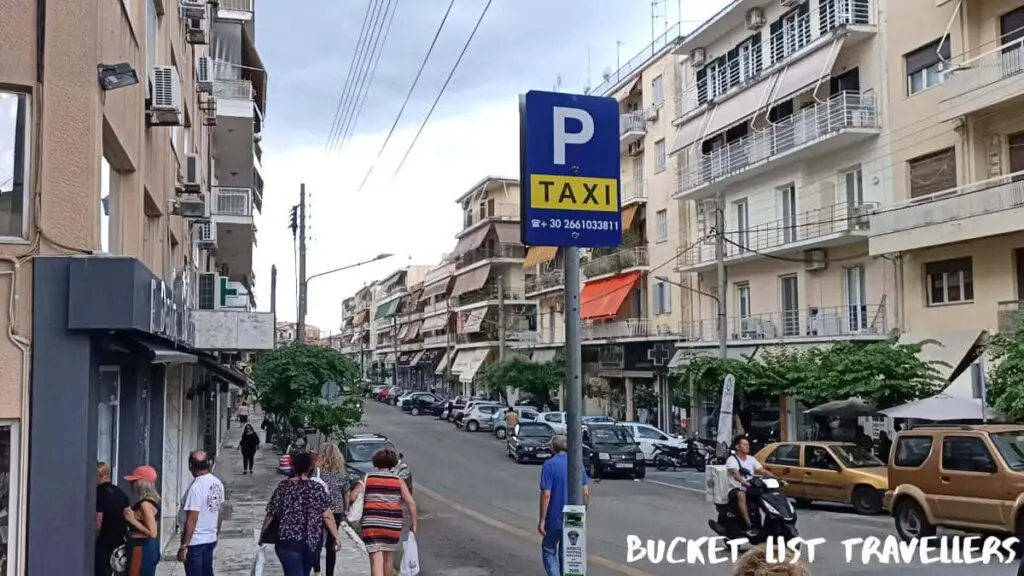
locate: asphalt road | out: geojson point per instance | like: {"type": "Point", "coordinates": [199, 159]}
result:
{"type": "Point", "coordinates": [478, 512]}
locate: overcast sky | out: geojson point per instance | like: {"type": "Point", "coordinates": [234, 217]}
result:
{"type": "Point", "coordinates": [307, 48]}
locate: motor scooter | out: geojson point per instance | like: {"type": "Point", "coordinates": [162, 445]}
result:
{"type": "Point", "coordinates": [697, 455]}
{"type": "Point", "coordinates": [771, 514]}
{"type": "Point", "coordinates": [666, 456]}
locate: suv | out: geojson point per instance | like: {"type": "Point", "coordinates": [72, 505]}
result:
{"type": "Point", "coordinates": [358, 450]}
{"type": "Point", "coordinates": [967, 478]}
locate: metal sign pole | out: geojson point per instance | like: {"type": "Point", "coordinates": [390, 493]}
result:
{"type": "Point", "coordinates": [573, 374]}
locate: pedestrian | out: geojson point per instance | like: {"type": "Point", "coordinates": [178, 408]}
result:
{"type": "Point", "coordinates": [249, 444]}
{"type": "Point", "coordinates": [144, 537]}
{"type": "Point", "coordinates": [884, 446]}
{"type": "Point", "coordinates": [332, 471]}
{"type": "Point", "coordinates": [511, 420]}
{"type": "Point", "coordinates": [381, 525]}
{"type": "Point", "coordinates": [299, 444]}
{"type": "Point", "coordinates": [554, 495]}
{"type": "Point", "coordinates": [111, 527]}
{"type": "Point", "coordinates": [243, 413]}
{"type": "Point", "coordinates": [202, 507]}
{"type": "Point", "coordinates": [297, 513]}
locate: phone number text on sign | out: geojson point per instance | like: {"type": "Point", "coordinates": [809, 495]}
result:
{"type": "Point", "coordinates": [574, 224]}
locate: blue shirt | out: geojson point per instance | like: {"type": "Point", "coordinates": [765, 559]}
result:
{"type": "Point", "coordinates": [554, 478]}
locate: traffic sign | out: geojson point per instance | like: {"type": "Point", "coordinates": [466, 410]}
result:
{"type": "Point", "coordinates": [569, 170]}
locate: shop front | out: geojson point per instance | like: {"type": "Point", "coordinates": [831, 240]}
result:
{"type": "Point", "coordinates": [637, 382]}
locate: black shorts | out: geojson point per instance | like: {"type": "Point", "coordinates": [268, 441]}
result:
{"type": "Point", "coordinates": [243, 419]}
{"type": "Point", "coordinates": [751, 491]}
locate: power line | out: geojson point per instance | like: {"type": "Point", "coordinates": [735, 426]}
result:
{"type": "Point", "coordinates": [379, 18]}
{"type": "Point", "coordinates": [343, 97]}
{"type": "Point", "coordinates": [408, 96]}
{"type": "Point", "coordinates": [430, 112]}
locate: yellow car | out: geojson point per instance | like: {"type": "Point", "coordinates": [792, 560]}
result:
{"type": "Point", "coordinates": [828, 472]}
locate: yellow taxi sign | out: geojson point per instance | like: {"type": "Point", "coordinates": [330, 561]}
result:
{"type": "Point", "coordinates": [553, 192]}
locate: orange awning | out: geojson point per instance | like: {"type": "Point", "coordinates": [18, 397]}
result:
{"type": "Point", "coordinates": [603, 298]}
{"type": "Point", "coordinates": [539, 255]}
{"type": "Point", "coordinates": [628, 215]}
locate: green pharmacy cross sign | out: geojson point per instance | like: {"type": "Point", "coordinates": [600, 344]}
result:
{"type": "Point", "coordinates": [225, 291]}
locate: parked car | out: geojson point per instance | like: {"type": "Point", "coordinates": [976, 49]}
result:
{"type": "Point", "coordinates": [460, 415]}
{"type": "Point", "coordinates": [419, 403]}
{"type": "Point", "coordinates": [382, 396]}
{"type": "Point", "coordinates": [957, 477]}
{"type": "Point", "coordinates": [454, 406]}
{"type": "Point", "coordinates": [530, 442]}
{"type": "Point", "coordinates": [556, 420]}
{"type": "Point", "coordinates": [610, 449]}
{"type": "Point", "coordinates": [647, 436]}
{"type": "Point", "coordinates": [526, 414]}
{"type": "Point", "coordinates": [829, 472]}
{"type": "Point", "coordinates": [481, 416]}
{"type": "Point", "coordinates": [359, 450]}
{"type": "Point", "coordinates": [375, 390]}
{"type": "Point", "coordinates": [406, 396]}
{"type": "Point", "coordinates": [393, 394]}
{"type": "Point", "coordinates": [599, 420]}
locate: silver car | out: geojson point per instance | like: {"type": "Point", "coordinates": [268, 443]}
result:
{"type": "Point", "coordinates": [481, 416]}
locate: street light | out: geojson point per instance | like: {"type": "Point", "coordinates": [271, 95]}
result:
{"type": "Point", "coordinates": [304, 288]}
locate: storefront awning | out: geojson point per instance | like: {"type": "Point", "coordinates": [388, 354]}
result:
{"type": "Point", "coordinates": [683, 355]}
{"type": "Point", "coordinates": [386, 310]}
{"type": "Point", "coordinates": [416, 358]}
{"type": "Point", "coordinates": [469, 363]}
{"type": "Point", "coordinates": [391, 358]}
{"type": "Point", "coordinates": [442, 364]}
{"type": "Point", "coordinates": [508, 232]}
{"type": "Point", "coordinates": [438, 322]}
{"type": "Point", "coordinates": [474, 321]}
{"type": "Point", "coordinates": [361, 317]}
{"type": "Point", "coordinates": [604, 298]}
{"type": "Point", "coordinates": [952, 350]}
{"type": "Point", "coordinates": [471, 241]}
{"type": "Point", "coordinates": [412, 330]}
{"type": "Point", "coordinates": [225, 373]}
{"type": "Point", "coordinates": [470, 281]}
{"type": "Point", "coordinates": [539, 255]}
{"type": "Point", "coordinates": [543, 355]}
{"type": "Point", "coordinates": [628, 215]}
{"type": "Point", "coordinates": [157, 353]}
{"type": "Point", "coordinates": [435, 289]}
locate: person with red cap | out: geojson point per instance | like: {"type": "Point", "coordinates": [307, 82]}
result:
{"type": "Point", "coordinates": [144, 537]}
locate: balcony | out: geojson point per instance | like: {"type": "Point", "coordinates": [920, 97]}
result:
{"type": "Point", "coordinates": [632, 127]}
{"type": "Point", "coordinates": [822, 227]}
{"type": "Point", "coordinates": [489, 292]}
{"type": "Point", "coordinates": [987, 208]}
{"type": "Point", "coordinates": [618, 262]}
{"type": "Point", "coordinates": [490, 212]}
{"type": "Point", "coordinates": [615, 329]}
{"type": "Point", "coordinates": [842, 120]}
{"type": "Point", "coordinates": [233, 330]}
{"type": "Point", "coordinates": [497, 252]}
{"type": "Point", "coordinates": [864, 322]}
{"type": "Point", "coordinates": [1010, 313]}
{"type": "Point", "coordinates": [231, 210]}
{"type": "Point", "coordinates": [232, 205]}
{"type": "Point", "coordinates": [436, 340]}
{"type": "Point", "coordinates": [991, 79]}
{"type": "Point", "coordinates": [550, 280]}
{"type": "Point", "coordinates": [235, 9]}
{"type": "Point", "coordinates": [239, 121]}
{"type": "Point", "coordinates": [634, 191]}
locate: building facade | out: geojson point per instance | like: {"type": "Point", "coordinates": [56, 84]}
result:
{"type": "Point", "coordinates": [126, 299]}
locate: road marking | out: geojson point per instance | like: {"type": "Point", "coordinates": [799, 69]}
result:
{"type": "Point", "coordinates": [676, 486]}
{"type": "Point", "coordinates": [524, 534]}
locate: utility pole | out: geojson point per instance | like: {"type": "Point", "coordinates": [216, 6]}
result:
{"type": "Point", "coordinates": [273, 298]}
{"type": "Point", "coordinates": [448, 346]}
{"type": "Point", "coordinates": [501, 319]}
{"type": "Point", "coordinates": [300, 330]}
{"type": "Point", "coordinates": [723, 285]}
{"type": "Point", "coordinates": [573, 375]}
{"type": "Point", "coordinates": [394, 344]}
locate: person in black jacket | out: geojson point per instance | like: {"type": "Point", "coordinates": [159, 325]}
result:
{"type": "Point", "coordinates": [248, 445]}
{"type": "Point", "coordinates": [111, 527]}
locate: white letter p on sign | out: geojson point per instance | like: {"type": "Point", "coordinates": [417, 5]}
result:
{"type": "Point", "coordinates": [563, 138]}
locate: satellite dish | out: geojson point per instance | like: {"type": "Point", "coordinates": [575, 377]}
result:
{"type": "Point", "coordinates": [607, 72]}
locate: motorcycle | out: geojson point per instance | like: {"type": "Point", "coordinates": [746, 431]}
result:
{"type": "Point", "coordinates": [697, 455]}
{"type": "Point", "coordinates": [666, 456]}
{"type": "Point", "coordinates": [771, 514]}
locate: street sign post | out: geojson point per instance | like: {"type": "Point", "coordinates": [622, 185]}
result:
{"type": "Point", "coordinates": [569, 178]}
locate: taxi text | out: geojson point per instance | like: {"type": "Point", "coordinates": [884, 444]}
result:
{"type": "Point", "coordinates": [574, 193]}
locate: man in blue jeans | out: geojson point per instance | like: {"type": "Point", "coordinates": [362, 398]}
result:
{"type": "Point", "coordinates": [202, 522]}
{"type": "Point", "coordinates": [554, 493]}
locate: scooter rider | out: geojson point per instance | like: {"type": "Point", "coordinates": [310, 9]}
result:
{"type": "Point", "coordinates": [742, 467]}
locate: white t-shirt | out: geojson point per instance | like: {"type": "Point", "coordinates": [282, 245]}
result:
{"type": "Point", "coordinates": [243, 410]}
{"type": "Point", "coordinates": [205, 496]}
{"type": "Point", "coordinates": [748, 467]}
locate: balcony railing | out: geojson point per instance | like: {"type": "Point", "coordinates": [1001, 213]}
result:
{"type": "Point", "coordinates": [634, 190]}
{"type": "Point", "coordinates": [547, 281]}
{"type": "Point", "coordinates": [232, 202]}
{"type": "Point", "coordinates": [233, 88]}
{"type": "Point", "coordinates": [237, 5]}
{"type": "Point", "coordinates": [501, 211]}
{"type": "Point", "coordinates": [843, 111]}
{"type": "Point", "coordinates": [635, 121]}
{"type": "Point", "coordinates": [835, 322]}
{"type": "Point", "coordinates": [436, 340]}
{"type": "Point", "coordinates": [435, 308]}
{"type": "Point", "coordinates": [626, 328]}
{"type": "Point", "coordinates": [489, 291]}
{"type": "Point", "coordinates": [616, 262]}
{"type": "Point", "coordinates": [660, 43]}
{"type": "Point", "coordinates": [976, 199]}
{"type": "Point", "coordinates": [1010, 313]}
{"type": "Point", "coordinates": [804, 228]}
{"type": "Point", "coordinates": [985, 69]}
{"type": "Point", "coordinates": [439, 273]}
{"type": "Point", "coordinates": [510, 251]}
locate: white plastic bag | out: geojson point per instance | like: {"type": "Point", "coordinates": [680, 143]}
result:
{"type": "Point", "coordinates": [258, 561]}
{"type": "Point", "coordinates": [355, 511]}
{"type": "Point", "coordinates": [410, 557]}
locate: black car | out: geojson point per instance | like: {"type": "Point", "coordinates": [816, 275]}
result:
{"type": "Point", "coordinates": [530, 442]}
{"type": "Point", "coordinates": [437, 409]}
{"type": "Point", "coordinates": [611, 450]}
{"type": "Point", "coordinates": [419, 403]}
{"type": "Point", "coordinates": [358, 450]}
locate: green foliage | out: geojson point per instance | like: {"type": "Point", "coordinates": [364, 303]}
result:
{"type": "Point", "coordinates": [883, 373]}
{"type": "Point", "coordinates": [539, 381]}
{"type": "Point", "coordinates": [1005, 390]}
{"type": "Point", "coordinates": [289, 381]}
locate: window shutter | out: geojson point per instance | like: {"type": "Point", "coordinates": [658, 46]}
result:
{"type": "Point", "coordinates": [933, 173]}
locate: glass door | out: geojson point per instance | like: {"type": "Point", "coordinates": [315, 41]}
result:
{"type": "Point", "coordinates": [747, 329]}
{"type": "Point", "coordinates": [855, 292]}
{"type": "Point", "coordinates": [109, 417]}
{"type": "Point", "coordinates": [787, 196]}
{"type": "Point", "coordinates": [742, 214]}
{"type": "Point", "coordinates": [790, 305]}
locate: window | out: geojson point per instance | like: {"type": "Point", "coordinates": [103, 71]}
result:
{"type": "Point", "coordinates": [662, 298]}
{"type": "Point", "coordinates": [856, 293]}
{"type": "Point", "coordinates": [556, 418]}
{"type": "Point", "coordinates": [787, 200]}
{"type": "Point", "coordinates": [152, 28]}
{"type": "Point", "coordinates": [657, 91]}
{"type": "Point", "coordinates": [10, 472]}
{"type": "Point", "coordinates": [790, 305]}
{"type": "Point", "coordinates": [661, 219]}
{"type": "Point", "coordinates": [791, 32]}
{"type": "Point", "coordinates": [932, 172]}
{"type": "Point", "coordinates": [818, 458]}
{"type": "Point", "coordinates": [741, 211]}
{"type": "Point", "coordinates": [743, 300]}
{"type": "Point", "coordinates": [785, 455]}
{"type": "Point", "coordinates": [659, 156]}
{"type": "Point", "coordinates": [14, 165]}
{"type": "Point", "coordinates": [966, 454]}
{"type": "Point", "coordinates": [650, 433]}
{"type": "Point", "coordinates": [927, 65]}
{"type": "Point", "coordinates": [748, 60]}
{"type": "Point", "coordinates": [912, 451]}
{"type": "Point", "coordinates": [949, 281]}
{"type": "Point", "coordinates": [853, 182]}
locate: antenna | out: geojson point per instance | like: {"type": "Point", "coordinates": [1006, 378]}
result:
{"type": "Point", "coordinates": [586, 88]}
{"type": "Point", "coordinates": [558, 82]}
{"type": "Point", "coordinates": [607, 73]}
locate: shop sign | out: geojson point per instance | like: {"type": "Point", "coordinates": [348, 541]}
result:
{"type": "Point", "coordinates": [170, 315]}
{"type": "Point", "coordinates": [612, 357]}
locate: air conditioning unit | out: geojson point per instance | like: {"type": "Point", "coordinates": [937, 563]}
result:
{"type": "Point", "coordinates": [652, 113]}
{"type": "Point", "coordinates": [192, 179]}
{"type": "Point", "coordinates": [193, 9]}
{"type": "Point", "coordinates": [755, 19]}
{"type": "Point", "coordinates": [192, 207]}
{"type": "Point", "coordinates": [204, 74]}
{"type": "Point", "coordinates": [195, 32]}
{"type": "Point", "coordinates": [697, 57]}
{"type": "Point", "coordinates": [790, 3]}
{"type": "Point", "coordinates": [165, 97]}
{"type": "Point", "coordinates": [635, 148]}
{"type": "Point", "coordinates": [210, 111]}
{"type": "Point", "coordinates": [815, 260]}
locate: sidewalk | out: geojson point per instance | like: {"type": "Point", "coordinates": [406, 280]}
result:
{"type": "Point", "coordinates": [247, 498]}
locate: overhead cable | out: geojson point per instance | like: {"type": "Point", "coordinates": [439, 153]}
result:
{"type": "Point", "coordinates": [372, 8]}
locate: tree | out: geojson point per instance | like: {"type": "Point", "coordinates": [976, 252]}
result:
{"type": "Point", "coordinates": [289, 382]}
{"type": "Point", "coordinates": [539, 381]}
{"type": "Point", "coordinates": [1005, 390]}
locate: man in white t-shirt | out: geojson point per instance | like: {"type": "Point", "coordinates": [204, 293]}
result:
{"type": "Point", "coordinates": [202, 507]}
{"type": "Point", "coordinates": [742, 467]}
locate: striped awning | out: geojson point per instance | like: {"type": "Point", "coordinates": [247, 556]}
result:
{"type": "Point", "coordinates": [539, 255]}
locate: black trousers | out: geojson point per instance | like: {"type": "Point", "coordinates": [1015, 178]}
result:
{"type": "Point", "coordinates": [332, 555]}
{"type": "Point", "coordinates": [247, 459]}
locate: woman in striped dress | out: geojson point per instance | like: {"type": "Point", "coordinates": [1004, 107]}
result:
{"type": "Point", "coordinates": [381, 524]}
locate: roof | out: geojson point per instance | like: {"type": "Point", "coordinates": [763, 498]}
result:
{"type": "Point", "coordinates": [718, 25]}
{"type": "Point", "coordinates": [485, 182]}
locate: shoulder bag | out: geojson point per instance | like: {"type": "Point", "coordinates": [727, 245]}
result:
{"type": "Point", "coordinates": [355, 512]}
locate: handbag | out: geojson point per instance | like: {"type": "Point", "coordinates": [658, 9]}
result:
{"type": "Point", "coordinates": [119, 560]}
{"type": "Point", "coordinates": [355, 512]}
{"type": "Point", "coordinates": [269, 534]}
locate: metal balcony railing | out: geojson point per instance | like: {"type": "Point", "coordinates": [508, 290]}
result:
{"type": "Point", "coordinates": [501, 211]}
{"type": "Point", "coordinates": [842, 111]}
{"type": "Point", "coordinates": [616, 262]}
{"type": "Point", "coordinates": [634, 190]}
{"type": "Point", "coordinates": [439, 273]}
{"type": "Point", "coordinates": [635, 121]}
{"type": "Point", "coordinates": [976, 199]}
{"type": "Point", "coordinates": [232, 201]}
{"type": "Point", "coordinates": [233, 88]}
{"type": "Point", "coordinates": [435, 308]}
{"type": "Point", "coordinates": [489, 291]}
{"type": "Point", "coordinates": [549, 280]}
{"type": "Point", "coordinates": [1010, 313]}
{"type": "Point", "coordinates": [237, 5]}
{"type": "Point", "coordinates": [815, 322]}
{"type": "Point", "coordinates": [510, 251]}
{"type": "Point", "coordinates": [985, 69]}
{"type": "Point", "coordinates": [660, 43]}
{"type": "Point", "coordinates": [625, 328]}
{"type": "Point", "coordinates": [806, 226]}
{"type": "Point", "coordinates": [437, 340]}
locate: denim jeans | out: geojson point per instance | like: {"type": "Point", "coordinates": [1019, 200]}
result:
{"type": "Point", "coordinates": [143, 556]}
{"type": "Point", "coordinates": [551, 553]}
{"type": "Point", "coordinates": [199, 561]}
{"type": "Point", "coordinates": [295, 557]}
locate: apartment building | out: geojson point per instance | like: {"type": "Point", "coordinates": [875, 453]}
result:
{"type": "Point", "coordinates": [954, 225]}
{"type": "Point", "coordinates": [395, 311]}
{"type": "Point", "coordinates": [287, 333]}
{"type": "Point", "coordinates": [437, 331]}
{"type": "Point", "coordinates": [363, 340]}
{"type": "Point", "coordinates": [131, 314]}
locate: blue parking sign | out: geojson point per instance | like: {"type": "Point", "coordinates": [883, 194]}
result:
{"type": "Point", "coordinates": [569, 170]}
